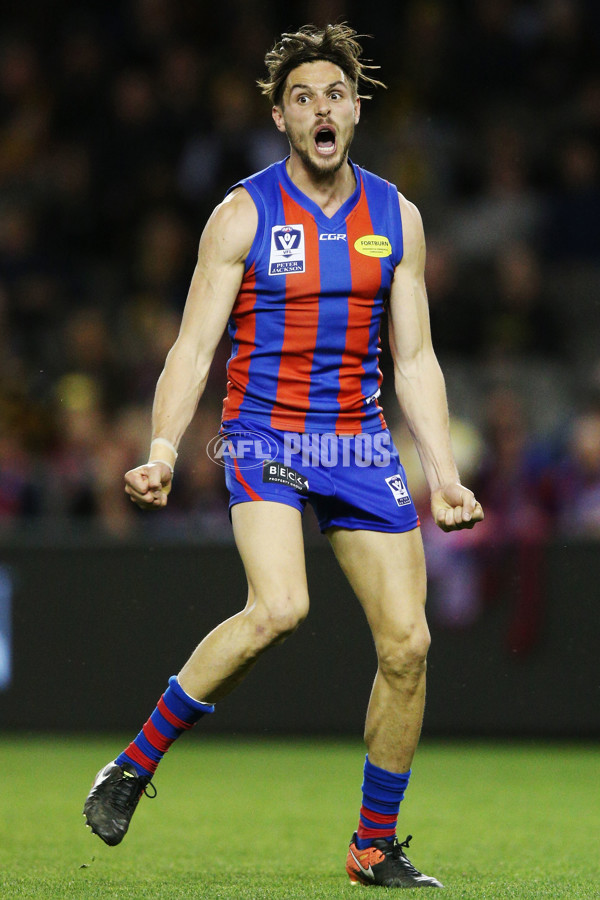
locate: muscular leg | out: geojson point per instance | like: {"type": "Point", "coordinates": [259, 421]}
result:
{"type": "Point", "coordinates": [387, 573]}
{"type": "Point", "coordinates": [269, 539]}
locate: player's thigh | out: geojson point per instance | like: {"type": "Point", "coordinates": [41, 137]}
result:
{"type": "Point", "coordinates": [269, 539]}
{"type": "Point", "coordinates": [387, 573]}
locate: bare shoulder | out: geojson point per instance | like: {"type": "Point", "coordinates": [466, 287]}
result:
{"type": "Point", "coordinates": [412, 230]}
{"type": "Point", "coordinates": [231, 228]}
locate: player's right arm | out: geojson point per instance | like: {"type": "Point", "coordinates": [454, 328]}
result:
{"type": "Point", "coordinates": [224, 246]}
{"type": "Point", "coordinates": [419, 381]}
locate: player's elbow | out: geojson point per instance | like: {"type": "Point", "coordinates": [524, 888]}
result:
{"type": "Point", "coordinates": [419, 370]}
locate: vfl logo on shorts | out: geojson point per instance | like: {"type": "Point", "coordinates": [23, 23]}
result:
{"type": "Point", "coordinates": [287, 250]}
{"type": "Point", "coordinates": [276, 473]}
{"type": "Point", "coordinates": [398, 489]}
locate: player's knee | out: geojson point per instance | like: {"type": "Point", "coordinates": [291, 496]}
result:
{"type": "Point", "coordinates": [277, 618]}
{"type": "Point", "coordinates": [404, 655]}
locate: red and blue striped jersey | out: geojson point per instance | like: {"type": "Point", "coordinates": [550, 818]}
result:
{"type": "Point", "coordinates": [305, 324]}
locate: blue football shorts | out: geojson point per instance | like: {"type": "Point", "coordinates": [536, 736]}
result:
{"type": "Point", "coordinates": [351, 481]}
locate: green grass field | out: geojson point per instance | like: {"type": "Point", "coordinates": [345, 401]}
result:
{"type": "Point", "coordinates": [262, 819]}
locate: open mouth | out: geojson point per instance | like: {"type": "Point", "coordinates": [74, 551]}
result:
{"type": "Point", "coordinates": [325, 141]}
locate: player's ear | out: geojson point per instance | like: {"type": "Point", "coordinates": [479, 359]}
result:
{"type": "Point", "coordinates": [357, 111]}
{"type": "Point", "coordinates": [277, 114]}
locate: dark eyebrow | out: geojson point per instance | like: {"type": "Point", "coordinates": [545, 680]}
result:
{"type": "Point", "coordinates": [308, 87]}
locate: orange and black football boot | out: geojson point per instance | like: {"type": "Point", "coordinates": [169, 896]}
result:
{"type": "Point", "coordinates": [385, 863]}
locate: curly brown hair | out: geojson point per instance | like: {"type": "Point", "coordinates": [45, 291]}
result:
{"type": "Point", "coordinates": [335, 43]}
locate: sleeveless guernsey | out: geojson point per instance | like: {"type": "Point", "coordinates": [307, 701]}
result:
{"type": "Point", "coordinates": [305, 324]}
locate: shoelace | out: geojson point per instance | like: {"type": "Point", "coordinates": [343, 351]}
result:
{"type": "Point", "coordinates": [150, 796]}
{"type": "Point", "coordinates": [397, 852]}
{"type": "Point", "coordinates": [127, 791]}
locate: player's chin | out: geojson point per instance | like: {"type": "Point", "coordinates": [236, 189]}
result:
{"type": "Point", "coordinates": [327, 160]}
{"type": "Point", "coordinates": [330, 163]}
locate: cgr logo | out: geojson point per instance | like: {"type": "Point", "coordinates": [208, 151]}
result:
{"type": "Point", "coordinates": [333, 237]}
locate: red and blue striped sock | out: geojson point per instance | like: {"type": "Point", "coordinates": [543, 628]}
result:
{"type": "Point", "coordinates": [175, 713]}
{"type": "Point", "coordinates": [383, 792]}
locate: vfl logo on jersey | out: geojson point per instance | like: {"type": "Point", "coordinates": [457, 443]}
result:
{"type": "Point", "coordinates": [373, 245]}
{"type": "Point", "coordinates": [398, 489]}
{"type": "Point", "coordinates": [287, 250]}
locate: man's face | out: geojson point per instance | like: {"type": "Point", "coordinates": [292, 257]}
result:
{"type": "Point", "coordinates": [318, 113]}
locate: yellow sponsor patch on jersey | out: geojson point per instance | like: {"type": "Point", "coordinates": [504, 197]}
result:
{"type": "Point", "coordinates": [373, 245]}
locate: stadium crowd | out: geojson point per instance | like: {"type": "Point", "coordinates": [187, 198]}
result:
{"type": "Point", "coordinates": [122, 125]}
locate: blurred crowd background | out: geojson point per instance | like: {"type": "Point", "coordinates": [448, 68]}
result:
{"type": "Point", "coordinates": [123, 124]}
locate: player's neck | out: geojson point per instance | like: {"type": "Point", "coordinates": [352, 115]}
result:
{"type": "Point", "coordinates": [329, 192]}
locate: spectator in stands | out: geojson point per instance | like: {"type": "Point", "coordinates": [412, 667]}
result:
{"type": "Point", "coordinates": [522, 322]}
{"type": "Point", "coordinates": [120, 130]}
{"type": "Point", "coordinates": [572, 231]}
{"type": "Point", "coordinates": [575, 484]}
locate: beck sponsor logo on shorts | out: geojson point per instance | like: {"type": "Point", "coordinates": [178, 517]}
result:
{"type": "Point", "coordinates": [276, 473]}
{"type": "Point", "coordinates": [287, 250]}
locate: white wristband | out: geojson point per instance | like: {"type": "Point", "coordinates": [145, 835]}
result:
{"type": "Point", "coordinates": [166, 444]}
{"type": "Point", "coordinates": [162, 450]}
{"type": "Point", "coordinates": [165, 461]}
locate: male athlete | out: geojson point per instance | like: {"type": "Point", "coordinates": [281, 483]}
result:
{"type": "Point", "coordinates": [300, 261]}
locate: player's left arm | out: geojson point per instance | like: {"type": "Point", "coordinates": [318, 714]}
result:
{"type": "Point", "coordinates": [419, 382]}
